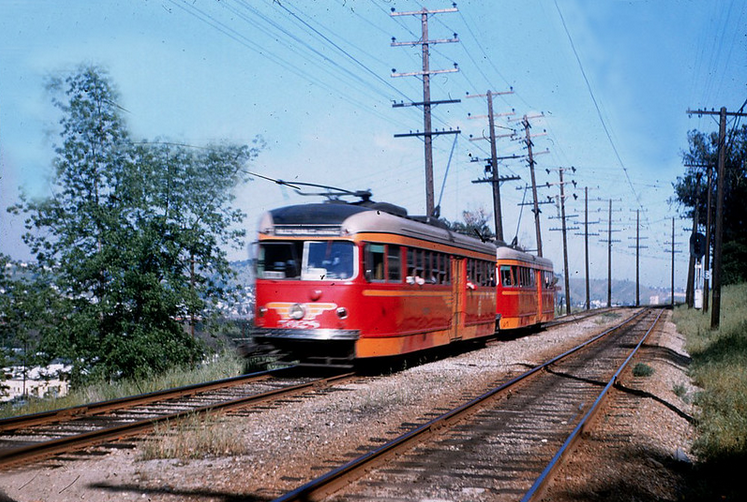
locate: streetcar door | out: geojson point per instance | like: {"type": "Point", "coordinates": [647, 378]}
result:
{"type": "Point", "coordinates": [539, 292]}
{"type": "Point", "coordinates": [459, 294]}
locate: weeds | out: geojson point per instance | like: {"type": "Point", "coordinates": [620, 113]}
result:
{"type": "Point", "coordinates": [224, 365]}
{"type": "Point", "coordinates": [194, 437]}
{"type": "Point", "coordinates": [642, 370]}
{"type": "Point", "coordinates": [719, 368]}
{"type": "Point", "coordinates": [680, 390]}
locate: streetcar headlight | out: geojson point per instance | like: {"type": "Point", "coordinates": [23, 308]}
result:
{"type": "Point", "coordinates": [262, 311]}
{"type": "Point", "coordinates": [342, 312]}
{"type": "Point", "coordinates": [297, 311]}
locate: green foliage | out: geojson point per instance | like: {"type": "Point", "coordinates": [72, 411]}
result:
{"type": "Point", "coordinates": [133, 236]}
{"type": "Point", "coordinates": [28, 306]}
{"type": "Point", "coordinates": [475, 224]}
{"type": "Point", "coordinates": [691, 191]}
{"type": "Point", "coordinates": [223, 365]}
{"type": "Point", "coordinates": [719, 368]}
{"type": "Point", "coordinates": [642, 370]}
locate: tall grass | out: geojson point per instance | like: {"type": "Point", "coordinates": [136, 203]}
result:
{"type": "Point", "coordinates": [197, 436]}
{"type": "Point", "coordinates": [719, 368]}
{"type": "Point", "coordinates": [224, 365]}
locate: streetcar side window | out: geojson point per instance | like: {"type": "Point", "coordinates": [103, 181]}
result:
{"type": "Point", "coordinates": [374, 257]}
{"type": "Point", "coordinates": [444, 269]}
{"type": "Point", "coordinates": [506, 278]}
{"type": "Point", "coordinates": [438, 268]}
{"type": "Point", "coordinates": [394, 269]}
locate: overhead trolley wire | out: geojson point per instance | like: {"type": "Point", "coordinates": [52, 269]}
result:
{"type": "Point", "coordinates": [596, 106]}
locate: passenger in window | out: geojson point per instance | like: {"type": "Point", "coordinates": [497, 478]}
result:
{"type": "Point", "coordinates": [413, 278]}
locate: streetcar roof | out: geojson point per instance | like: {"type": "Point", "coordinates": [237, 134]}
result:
{"type": "Point", "coordinates": [336, 219]}
{"type": "Point", "coordinates": [507, 253]}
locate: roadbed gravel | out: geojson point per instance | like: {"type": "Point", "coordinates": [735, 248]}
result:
{"type": "Point", "coordinates": [638, 449]}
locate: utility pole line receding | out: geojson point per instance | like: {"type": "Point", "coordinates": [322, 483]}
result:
{"type": "Point", "coordinates": [638, 248]}
{"type": "Point", "coordinates": [565, 243]}
{"type": "Point", "coordinates": [720, 187]}
{"type": "Point", "coordinates": [428, 133]}
{"type": "Point", "coordinates": [609, 242]}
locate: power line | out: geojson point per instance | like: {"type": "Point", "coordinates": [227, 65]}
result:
{"type": "Point", "coordinates": [596, 105]}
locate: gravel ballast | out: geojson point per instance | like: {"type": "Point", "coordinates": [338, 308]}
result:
{"type": "Point", "coordinates": [281, 446]}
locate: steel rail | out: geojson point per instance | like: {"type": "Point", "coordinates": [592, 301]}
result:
{"type": "Point", "coordinates": [46, 448]}
{"type": "Point", "coordinates": [541, 482]}
{"type": "Point", "coordinates": [573, 317]}
{"type": "Point", "coordinates": [75, 412]}
{"type": "Point", "coordinates": [333, 480]}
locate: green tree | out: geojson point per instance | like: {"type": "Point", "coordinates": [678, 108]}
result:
{"type": "Point", "coordinates": [27, 306]}
{"type": "Point", "coordinates": [474, 224]}
{"type": "Point", "coordinates": [133, 234]}
{"type": "Point", "coordinates": [703, 151]}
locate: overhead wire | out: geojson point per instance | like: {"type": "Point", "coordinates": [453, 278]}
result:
{"type": "Point", "coordinates": [597, 107]}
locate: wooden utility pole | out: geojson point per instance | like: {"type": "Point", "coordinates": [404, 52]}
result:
{"type": "Point", "coordinates": [638, 248]}
{"type": "Point", "coordinates": [565, 242]}
{"type": "Point", "coordinates": [637, 258]}
{"type": "Point", "coordinates": [691, 279]}
{"type": "Point", "coordinates": [673, 252]}
{"type": "Point", "coordinates": [426, 73]}
{"type": "Point", "coordinates": [707, 263]}
{"type": "Point", "coordinates": [672, 261]}
{"type": "Point", "coordinates": [495, 179]}
{"type": "Point", "coordinates": [609, 242]}
{"type": "Point", "coordinates": [564, 229]}
{"type": "Point", "coordinates": [720, 187]}
{"type": "Point", "coordinates": [530, 158]}
{"type": "Point", "coordinates": [609, 258]}
{"type": "Point", "coordinates": [586, 242]}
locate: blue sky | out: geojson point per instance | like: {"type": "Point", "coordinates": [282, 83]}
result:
{"type": "Point", "coordinates": [313, 78]}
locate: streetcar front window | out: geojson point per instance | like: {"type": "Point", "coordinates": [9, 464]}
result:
{"type": "Point", "coordinates": [306, 260]}
{"type": "Point", "coordinates": [279, 260]}
{"type": "Point", "coordinates": [328, 260]}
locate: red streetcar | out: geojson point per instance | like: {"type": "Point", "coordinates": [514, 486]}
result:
{"type": "Point", "coordinates": [342, 282]}
{"type": "Point", "coordinates": [526, 289]}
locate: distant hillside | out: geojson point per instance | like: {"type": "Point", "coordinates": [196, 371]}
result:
{"type": "Point", "coordinates": [623, 292]}
{"type": "Point", "coordinates": [244, 272]}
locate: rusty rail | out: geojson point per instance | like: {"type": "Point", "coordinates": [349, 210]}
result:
{"type": "Point", "coordinates": [46, 448]}
{"type": "Point", "coordinates": [332, 481]}
{"type": "Point", "coordinates": [537, 488]}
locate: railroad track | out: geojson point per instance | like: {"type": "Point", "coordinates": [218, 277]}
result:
{"type": "Point", "coordinates": [503, 445]}
{"type": "Point", "coordinates": [32, 437]}
{"type": "Point", "coordinates": [576, 316]}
